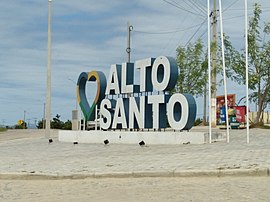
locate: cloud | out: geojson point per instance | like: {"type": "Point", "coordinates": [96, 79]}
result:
{"type": "Point", "coordinates": [87, 35]}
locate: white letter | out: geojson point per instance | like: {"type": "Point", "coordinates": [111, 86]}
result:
{"type": "Point", "coordinates": [105, 114]}
{"type": "Point", "coordinates": [113, 81]}
{"type": "Point", "coordinates": [119, 114]}
{"type": "Point", "coordinates": [127, 78]}
{"type": "Point", "coordinates": [158, 109]}
{"type": "Point", "coordinates": [134, 112]}
{"type": "Point", "coordinates": [164, 73]}
{"type": "Point", "coordinates": [145, 66]}
{"type": "Point", "coordinates": [181, 111]}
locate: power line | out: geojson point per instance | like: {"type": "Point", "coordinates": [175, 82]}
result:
{"type": "Point", "coordinates": [196, 32]}
{"type": "Point", "coordinates": [230, 5]}
{"type": "Point", "coordinates": [181, 8]}
{"type": "Point", "coordinates": [188, 4]}
{"type": "Point", "coordinates": [201, 4]}
{"type": "Point", "coordinates": [173, 35]}
{"type": "Point", "coordinates": [169, 32]}
{"type": "Point", "coordinates": [241, 9]}
{"type": "Point", "coordinates": [238, 16]}
{"type": "Point", "coordinates": [193, 5]}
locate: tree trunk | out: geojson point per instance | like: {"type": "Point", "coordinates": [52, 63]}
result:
{"type": "Point", "coordinates": [259, 112]}
{"type": "Point", "coordinates": [261, 103]}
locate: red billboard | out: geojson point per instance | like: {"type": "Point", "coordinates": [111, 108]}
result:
{"type": "Point", "coordinates": [221, 102]}
{"type": "Point", "coordinates": [240, 114]}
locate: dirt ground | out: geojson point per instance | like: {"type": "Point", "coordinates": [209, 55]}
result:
{"type": "Point", "coordinates": [138, 189]}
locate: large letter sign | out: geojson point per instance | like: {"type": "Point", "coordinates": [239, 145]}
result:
{"type": "Point", "coordinates": [125, 105]}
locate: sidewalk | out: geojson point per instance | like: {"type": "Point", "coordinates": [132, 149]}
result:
{"type": "Point", "coordinates": [27, 155]}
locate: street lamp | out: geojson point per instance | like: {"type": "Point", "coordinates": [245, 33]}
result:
{"type": "Point", "coordinates": [48, 93]}
{"type": "Point", "coordinates": [129, 29]}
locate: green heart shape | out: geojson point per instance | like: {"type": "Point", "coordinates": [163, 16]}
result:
{"type": "Point", "coordinates": [99, 77]}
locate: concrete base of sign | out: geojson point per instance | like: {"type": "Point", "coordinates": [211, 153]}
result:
{"type": "Point", "coordinates": [134, 137]}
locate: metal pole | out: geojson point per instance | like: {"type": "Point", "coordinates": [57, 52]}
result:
{"type": "Point", "coordinates": [48, 95]}
{"type": "Point", "coordinates": [246, 41]}
{"type": "Point", "coordinates": [43, 124]}
{"type": "Point", "coordinates": [24, 119]}
{"type": "Point", "coordinates": [209, 73]}
{"type": "Point", "coordinates": [129, 29]}
{"type": "Point", "coordinates": [224, 72]}
{"type": "Point", "coordinates": [96, 117]}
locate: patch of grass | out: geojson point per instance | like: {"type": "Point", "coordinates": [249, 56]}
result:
{"type": "Point", "coordinates": [265, 127]}
{"type": "Point", "coordinates": [259, 125]}
{"type": "Point", "coordinates": [3, 129]}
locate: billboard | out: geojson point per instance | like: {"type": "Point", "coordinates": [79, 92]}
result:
{"type": "Point", "coordinates": [220, 105]}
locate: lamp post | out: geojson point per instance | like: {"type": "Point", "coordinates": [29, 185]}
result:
{"type": "Point", "coordinates": [129, 29]}
{"type": "Point", "coordinates": [246, 57]}
{"type": "Point", "coordinates": [48, 93]}
{"type": "Point", "coordinates": [224, 72]}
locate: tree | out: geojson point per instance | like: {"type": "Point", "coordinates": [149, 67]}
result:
{"type": "Point", "coordinates": [67, 125]}
{"type": "Point", "coordinates": [40, 124]}
{"type": "Point", "coordinates": [56, 123]}
{"type": "Point", "coordinates": [23, 125]}
{"type": "Point", "coordinates": [259, 62]}
{"type": "Point", "coordinates": [192, 66]}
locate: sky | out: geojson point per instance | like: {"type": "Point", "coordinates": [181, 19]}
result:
{"type": "Point", "coordinates": [91, 35]}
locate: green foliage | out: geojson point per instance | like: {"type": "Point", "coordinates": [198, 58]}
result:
{"type": "Point", "coordinates": [67, 125]}
{"type": "Point", "coordinates": [3, 129]}
{"type": "Point", "coordinates": [192, 63]}
{"type": "Point", "coordinates": [18, 127]}
{"type": "Point", "coordinates": [192, 66]}
{"type": "Point", "coordinates": [259, 61]}
{"type": "Point", "coordinates": [233, 60]}
{"type": "Point", "coordinates": [40, 124]}
{"type": "Point", "coordinates": [259, 125]}
{"type": "Point", "coordinates": [56, 123]}
{"type": "Point", "coordinates": [198, 121]}
{"type": "Point", "coordinates": [22, 126]}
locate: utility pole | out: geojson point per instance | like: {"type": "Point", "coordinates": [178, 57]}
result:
{"type": "Point", "coordinates": [43, 120]}
{"type": "Point", "coordinates": [24, 119]}
{"type": "Point", "coordinates": [246, 43]}
{"type": "Point", "coordinates": [214, 67]}
{"type": "Point", "coordinates": [129, 29]}
{"type": "Point", "coordinates": [28, 122]}
{"type": "Point", "coordinates": [48, 95]}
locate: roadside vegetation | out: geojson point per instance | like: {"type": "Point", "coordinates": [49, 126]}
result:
{"type": "Point", "coordinates": [56, 123]}
{"type": "Point", "coordinates": [2, 129]}
{"type": "Point", "coordinates": [192, 63]}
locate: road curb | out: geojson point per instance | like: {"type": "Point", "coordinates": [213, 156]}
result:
{"type": "Point", "coordinates": [259, 172]}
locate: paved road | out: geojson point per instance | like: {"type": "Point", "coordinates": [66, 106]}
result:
{"type": "Point", "coordinates": [33, 155]}
{"type": "Point", "coordinates": [29, 167]}
{"type": "Point", "coordinates": [238, 189]}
